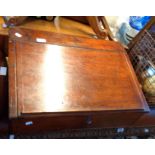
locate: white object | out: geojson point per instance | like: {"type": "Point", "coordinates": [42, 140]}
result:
{"type": "Point", "coordinates": [151, 71]}
{"type": "Point", "coordinates": [129, 33]}
{"type": "Point", "coordinates": [146, 130]}
{"type": "Point", "coordinates": [28, 123]}
{"type": "Point", "coordinates": [11, 136]}
{"type": "Point", "coordinates": [120, 130]}
{"type": "Point", "coordinates": [41, 40]}
{"type": "Point", "coordinates": [18, 35]}
{"type": "Point", "coordinates": [120, 28]}
{"type": "Point", "coordinates": [115, 23]}
{"type": "Point", "coordinates": [4, 25]}
{"type": "Point", "coordinates": [3, 71]}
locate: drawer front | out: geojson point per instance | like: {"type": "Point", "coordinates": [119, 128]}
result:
{"type": "Point", "coordinates": [120, 119]}
{"type": "Point", "coordinates": [45, 124]}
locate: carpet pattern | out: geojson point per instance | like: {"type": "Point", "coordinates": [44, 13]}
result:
{"type": "Point", "coordinates": [99, 133]}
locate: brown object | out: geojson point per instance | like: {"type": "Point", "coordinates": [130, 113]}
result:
{"type": "Point", "coordinates": [74, 60]}
{"type": "Point", "coordinates": [146, 120]}
{"type": "Point", "coordinates": [61, 77]}
{"type": "Point", "coordinates": [100, 27]}
{"type": "Point", "coordinates": [142, 56]}
{"type": "Point", "coordinates": [71, 81]}
{"type": "Point", "coordinates": [97, 23]}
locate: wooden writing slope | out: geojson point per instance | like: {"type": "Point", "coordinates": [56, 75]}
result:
{"type": "Point", "coordinates": [70, 81]}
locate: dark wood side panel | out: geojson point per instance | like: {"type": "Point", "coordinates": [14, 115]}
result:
{"type": "Point", "coordinates": [12, 80]}
{"type": "Point", "coordinates": [4, 45]}
{"type": "Point", "coordinates": [3, 87]}
{"type": "Point", "coordinates": [1, 42]}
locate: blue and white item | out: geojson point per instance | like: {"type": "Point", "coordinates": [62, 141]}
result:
{"type": "Point", "coordinates": [131, 27]}
{"type": "Point", "coordinates": [138, 22]}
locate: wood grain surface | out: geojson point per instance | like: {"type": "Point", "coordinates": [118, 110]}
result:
{"type": "Point", "coordinates": [75, 75]}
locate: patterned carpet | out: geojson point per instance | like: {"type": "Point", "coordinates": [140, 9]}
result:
{"type": "Point", "coordinates": [104, 133]}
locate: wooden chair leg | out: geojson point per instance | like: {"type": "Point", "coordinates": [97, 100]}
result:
{"type": "Point", "coordinates": [100, 27]}
{"type": "Point", "coordinates": [95, 24]}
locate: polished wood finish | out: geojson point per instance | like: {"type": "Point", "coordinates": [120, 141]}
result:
{"type": "Point", "coordinates": [60, 25]}
{"type": "Point", "coordinates": [90, 26]}
{"type": "Point", "coordinates": [62, 39]}
{"type": "Point", "coordinates": [42, 122]}
{"type": "Point", "coordinates": [66, 76]}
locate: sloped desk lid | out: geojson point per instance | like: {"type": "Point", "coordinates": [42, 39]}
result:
{"type": "Point", "coordinates": [51, 73]}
